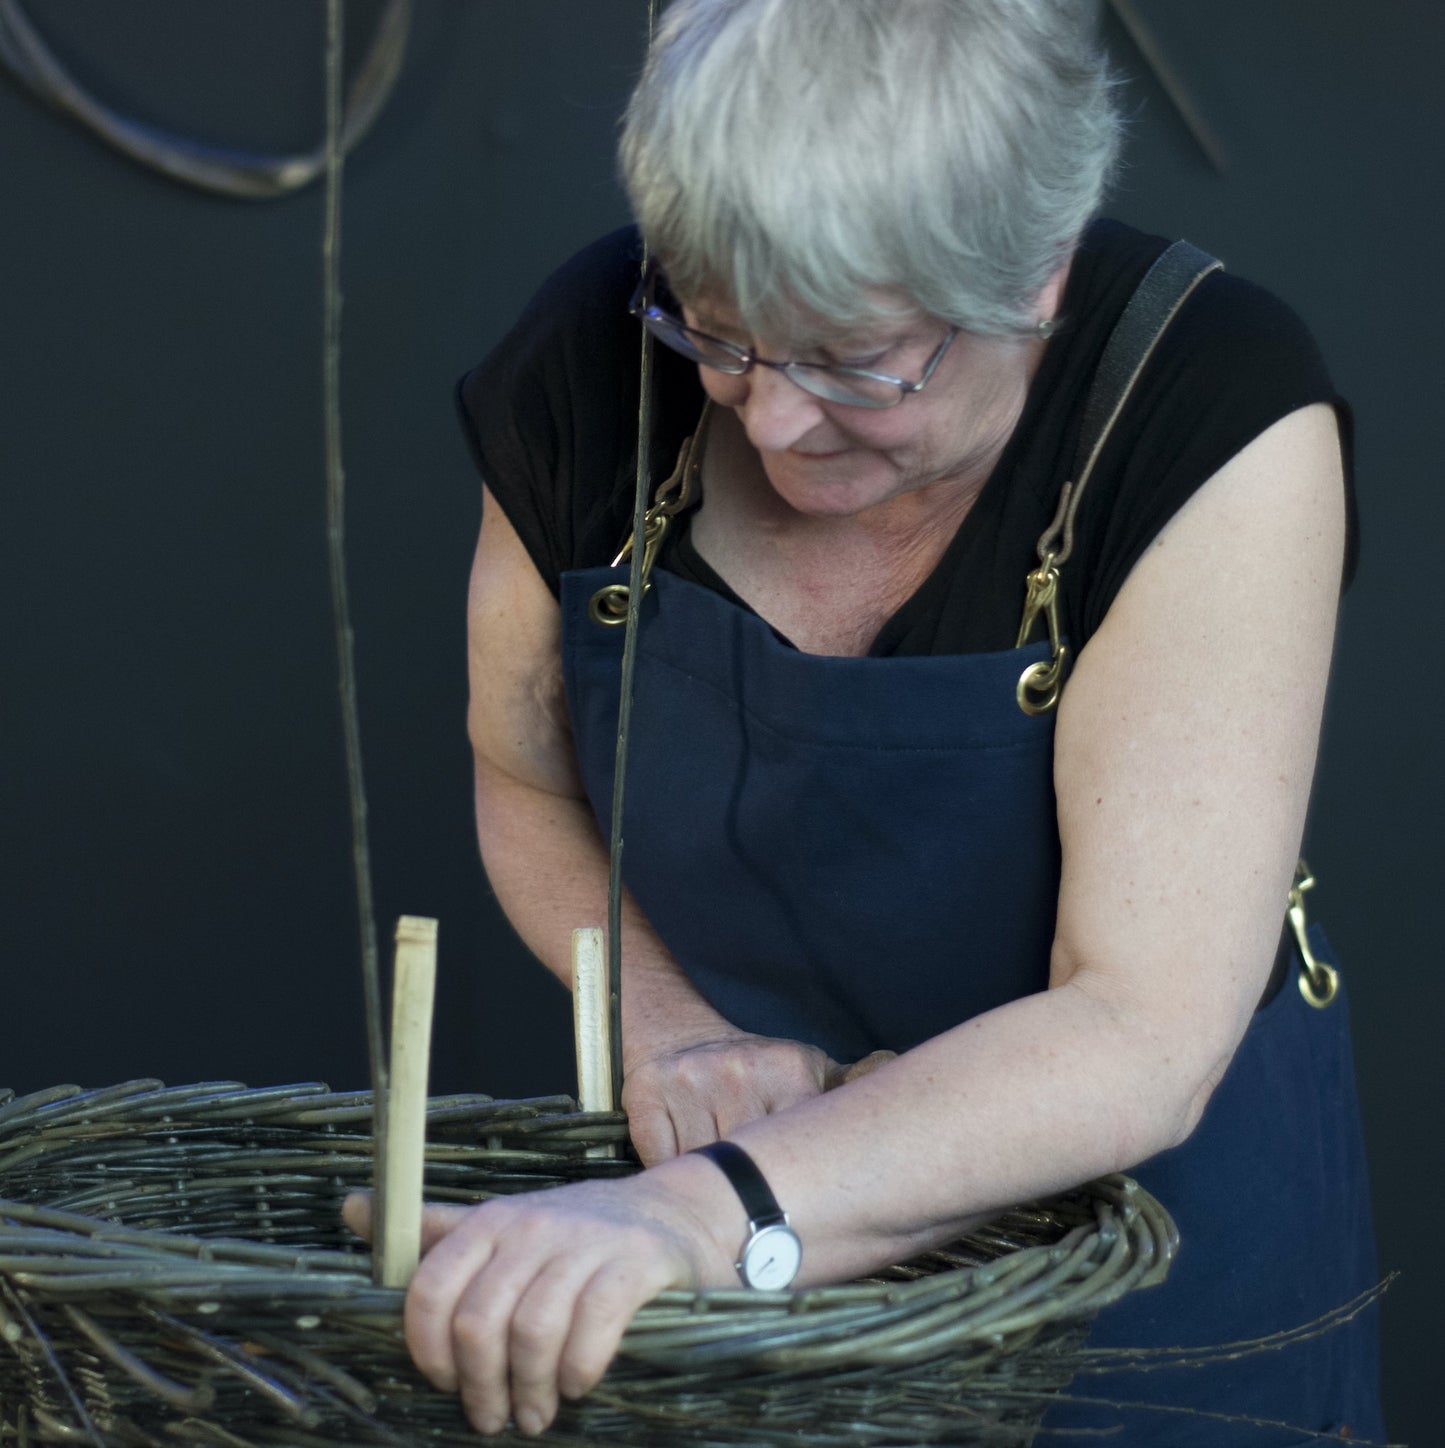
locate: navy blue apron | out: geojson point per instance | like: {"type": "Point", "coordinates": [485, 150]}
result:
{"type": "Point", "coordinates": [863, 852]}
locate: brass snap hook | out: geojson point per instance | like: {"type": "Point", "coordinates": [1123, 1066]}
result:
{"type": "Point", "coordinates": [1319, 983]}
{"type": "Point", "coordinates": [1040, 684]}
{"type": "Point", "coordinates": [608, 606]}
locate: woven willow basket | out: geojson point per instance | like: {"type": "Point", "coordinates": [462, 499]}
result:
{"type": "Point", "coordinates": [173, 1270]}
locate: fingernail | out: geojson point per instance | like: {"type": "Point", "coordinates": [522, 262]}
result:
{"type": "Point", "coordinates": [489, 1425]}
{"type": "Point", "coordinates": [529, 1420]}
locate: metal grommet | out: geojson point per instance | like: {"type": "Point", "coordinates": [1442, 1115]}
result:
{"type": "Point", "coordinates": [608, 606]}
{"type": "Point", "coordinates": [1038, 686]}
{"type": "Point", "coordinates": [1319, 983]}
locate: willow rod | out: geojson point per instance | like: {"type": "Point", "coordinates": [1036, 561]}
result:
{"type": "Point", "coordinates": [336, 540]}
{"type": "Point", "coordinates": [635, 585]}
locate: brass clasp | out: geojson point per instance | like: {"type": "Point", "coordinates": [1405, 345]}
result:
{"type": "Point", "coordinates": [1039, 684]}
{"type": "Point", "coordinates": [1319, 983]}
{"type": "Point", "coordinates": [609, 604]}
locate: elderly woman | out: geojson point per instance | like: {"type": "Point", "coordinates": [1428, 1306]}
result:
{"type": "Point", "coordinates": [849, 830]}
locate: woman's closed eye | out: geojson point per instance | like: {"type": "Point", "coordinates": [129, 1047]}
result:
{"type": "Point", "coordinates": [871, 354]}
{"type": "Point", "coordinates": [868, 360]}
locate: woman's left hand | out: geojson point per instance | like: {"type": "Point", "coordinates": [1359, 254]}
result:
{"type": "Point", "coordinates": [523, 1300]}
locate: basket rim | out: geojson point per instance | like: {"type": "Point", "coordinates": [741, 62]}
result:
{"type": "Point", "coordinates": [1121, 1237]}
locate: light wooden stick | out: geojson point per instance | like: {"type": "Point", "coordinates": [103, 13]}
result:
{"type": "Point", "coordinates": [413, 989]}
{"type": "Point", "coordinates": [591, 1023]}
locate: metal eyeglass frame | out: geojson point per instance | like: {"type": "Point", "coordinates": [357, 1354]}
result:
{"type": "Point", "coordinates": [813, 377]}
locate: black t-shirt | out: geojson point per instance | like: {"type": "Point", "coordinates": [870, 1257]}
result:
{"type": "Point", "coordinates": [551, 416]}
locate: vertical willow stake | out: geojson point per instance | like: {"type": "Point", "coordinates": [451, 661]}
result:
{"type": "Point", "coordinates": [340, 607]}
{"type": "Point", "coordinates": [591, 1029]}
{"type": "Point", "coordinates": [399, 1191]}
{"type": "Point", "coordinates": [624, 707]}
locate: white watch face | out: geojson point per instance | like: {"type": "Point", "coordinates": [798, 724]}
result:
{"type": "Point", "coordinates": [771, 1259]}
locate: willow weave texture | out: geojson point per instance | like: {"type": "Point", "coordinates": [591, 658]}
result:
{"type": "Point", "coordinates": [173, 1269]}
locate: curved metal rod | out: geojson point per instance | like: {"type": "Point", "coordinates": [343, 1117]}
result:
{"type": "Point", "coordinates": [227, 171]}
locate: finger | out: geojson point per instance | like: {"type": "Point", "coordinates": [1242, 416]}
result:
{"type": "Point", "coordinates": [695, 1123]}
{"type": "Point", "coordinates": [841, 1075]}
{"type": "Point", "coordinates": [603, 1311]}
{"type": "Point", "coordinates": [359, 1215]}
{"type": "Point", "coordinates": [439, 1220]}
{"type": "Point", "coordinates": [540, 1328]}
{"type": "Point", "coordinates": [356, 1214]}
{"type": "Point", "coordinates": [714, 1092]}
{"type": "Point", "coordinates": [793, 1078]}
{"type": "Point", "coordinates": [477, 1336]}
{"type": "Point", "coordinates": [451, 1263]}
{"type": "Point", "coordinates": [507, 1332]}
{"type": "Point", "coordinates": [649, 1124]}
{"type": "Point", "coordinates": [870, 1063]}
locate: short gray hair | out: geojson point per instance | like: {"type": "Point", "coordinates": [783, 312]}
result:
{"type": "Point", "coordinates": [809, 154]}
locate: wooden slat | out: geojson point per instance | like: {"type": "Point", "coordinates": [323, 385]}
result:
{"type": "Point", "coordinates": [413, 992]}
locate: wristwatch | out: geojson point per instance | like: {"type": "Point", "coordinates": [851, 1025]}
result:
{"type": "Point", "coordinates": [772, 1253]}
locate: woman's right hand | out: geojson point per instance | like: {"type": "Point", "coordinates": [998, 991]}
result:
{"type": "Point", "coordinates": [692, 1077]}
{"type": "Point", "coordinates": [696, 1088]}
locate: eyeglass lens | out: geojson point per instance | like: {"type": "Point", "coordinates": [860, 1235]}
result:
{"type": "Point", "coordinates": [832, 384]}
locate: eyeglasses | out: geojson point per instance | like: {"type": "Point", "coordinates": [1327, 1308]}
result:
{"type": "Point", "coordinates": [851, 386]}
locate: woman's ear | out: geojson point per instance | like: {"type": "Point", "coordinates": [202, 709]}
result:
{"type": "Point", "coordinates": [1051, 298]}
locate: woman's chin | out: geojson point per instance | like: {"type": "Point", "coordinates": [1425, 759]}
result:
{"type": "Point", "coordinates": [826, 485]}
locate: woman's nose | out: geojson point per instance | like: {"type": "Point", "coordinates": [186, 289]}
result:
{"type": "Point", "coordinates": [775, 412]}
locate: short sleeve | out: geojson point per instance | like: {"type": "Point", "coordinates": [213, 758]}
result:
{"type": "Point", "coordinates": [550, 414]}
{"type": "Point", "coordinates": [1235, 361]}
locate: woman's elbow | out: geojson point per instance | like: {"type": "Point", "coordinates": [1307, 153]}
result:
{"type": "Point", "coordinates": [1172, 1061]}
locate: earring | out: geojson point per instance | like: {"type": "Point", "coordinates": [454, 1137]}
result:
{"type": "Point", "coordinates": [1046, 327]}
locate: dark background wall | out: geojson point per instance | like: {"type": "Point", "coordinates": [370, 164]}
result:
{"type": "Point", "coordinates": [175, 892]}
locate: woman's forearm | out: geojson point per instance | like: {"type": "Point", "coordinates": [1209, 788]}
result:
{"type": "Point", "coordinates": [1026, 1100]}
{"type": "Point", "coordinates": [545, 862]}
{"type": "Point", "coordinates": [1030, 1098]}
{"type": "Point", "coordinates": [690, 1075]}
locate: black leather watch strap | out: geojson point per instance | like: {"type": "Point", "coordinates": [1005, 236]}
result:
{"type": "Point", "coordinates": [748, 1182]}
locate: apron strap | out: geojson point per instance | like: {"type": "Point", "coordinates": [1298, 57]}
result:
{"type": "Point", "coordinates": [1166, 286]}
{"type": "Point", "coordinates": [1157, 299]}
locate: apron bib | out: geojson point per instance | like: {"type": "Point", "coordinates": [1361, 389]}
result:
{"type": "Point", "coordinates": [861, 853]}
{"type": "Point", "coordinates": [823, 803]}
